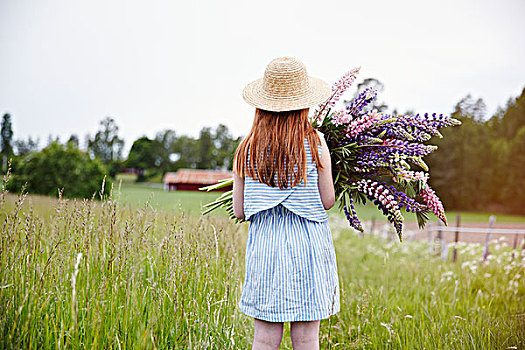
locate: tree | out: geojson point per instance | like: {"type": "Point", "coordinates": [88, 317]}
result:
{"type": "Point", "coordinates": [26, 147]}
{"type": "Point", "coordinates": [480, 165]}
{"type": "Point", "coordinates": [475, 110]}
{"type": "Point", "coordinates": [60, 167]}
{"type": "Point", "coordinates": [509, 120]}
{"type": "Point", "coordinates": [187, 149]}
{"type": "Point", "coordinates": [6, 139]}
{"type": "Point", "coordinates": [514, 192]}
{"type": "Point", "coordinates": [106, 145]}
{"type": "Point", "coordinates": [463, 167]}
{"type": "Point", "coordinates": [144, 154]}
{"type": "Point", "coordinates": [166, 140]}
{"type": "Point", "coordinates": [73, 140]}
{"type": "Point", "coordinates": [225, 146]}
{"type": "Point", "coordinates": [508, 155]}
{"type": "Point", "coordinates": [205, 150]}
{"type": "Point", "coordinates": [214, 149]}
{"type": "Point", "coordinates": [51, 139]}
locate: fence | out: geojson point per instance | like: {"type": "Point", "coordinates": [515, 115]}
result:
{"type": "Point", "coordinates": [440, 229]}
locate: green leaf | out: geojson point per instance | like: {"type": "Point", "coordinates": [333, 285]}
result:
{"type": "Point", "coordinates": [422, 218]}
{"type": "Point", "coordinates": [219, 185]}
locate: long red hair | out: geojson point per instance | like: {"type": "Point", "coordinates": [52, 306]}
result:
{"type": "Point", "coordinates": [276, 148]}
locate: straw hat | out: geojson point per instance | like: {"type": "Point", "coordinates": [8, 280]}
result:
{"type": "Point", "coordinates": [286, 86]}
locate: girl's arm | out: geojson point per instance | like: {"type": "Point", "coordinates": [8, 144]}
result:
{"type": "Point", "coordinates": [325, 181]}
{"type": "Point", "coordinates": [238, 196]}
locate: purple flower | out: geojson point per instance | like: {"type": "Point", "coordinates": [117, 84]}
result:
{"type": "Point", "coordinates": [384, 199]}
{"type": "Point", "coordinates": [415, 127]}
{"type": "Point", "coordinates": [351, 216]}
{"type": "Point", "coordinates": [361, 101]}
{"type": "Point", "coordinates": [411, 149]}
{"type": "Point", "coordinates": [410, 204]}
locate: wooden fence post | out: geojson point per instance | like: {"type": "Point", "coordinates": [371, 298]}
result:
{"type": "Point", "coordinates": [487, 238]}
{"type": "Point", "coordinates": [456, 238]}
{"type": "Point", "coordinates": [515, 245]}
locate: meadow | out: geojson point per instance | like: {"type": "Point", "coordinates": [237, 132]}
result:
{"type": "Point", "coordinates": [191, 202]}
{"type": "Point", "coordinates": [133, 271]}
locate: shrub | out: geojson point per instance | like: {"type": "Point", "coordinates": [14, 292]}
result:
{"type": "Point", "coordinates": [60, 167]}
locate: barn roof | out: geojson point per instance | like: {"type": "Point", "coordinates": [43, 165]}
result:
{"type": "Point", "coordinates": [197, 176]}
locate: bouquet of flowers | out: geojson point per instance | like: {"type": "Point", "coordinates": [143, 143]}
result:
{"type": "Point", "coordinates": [372, 158]}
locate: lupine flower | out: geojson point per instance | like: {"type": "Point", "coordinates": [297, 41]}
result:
{"type": "Point", "coordinates": [419, 161]}
{"type": "Point", "coordinates": [412, 175]}
{"type": "Point", "coordinates": [338, 88]}
{"type": "Point", "coordinates": [420, 127]}
{"type": "Point", "coordinates": [356, 126]}
{"type": "Point", "coordinates": [384, 200]}
{"type": "Point", "coordinates": [410, 204]}
{"type": "Point", "coordinates": [412, 149]}
{"type": "Point", "coordinates": [377, 191]}
{"type": "Point", "coordinates": [341, 117]}
{"type": "Point", "coordinates": [361, 101]}
{"type": "Point", "coordinates": [401, 132]}
{"type": "Point", "coordinates": [434, 203]}
{"type": "Point", "coordinates": [370, 158]}
{"type": "Point", "coordinates": [351, 216]}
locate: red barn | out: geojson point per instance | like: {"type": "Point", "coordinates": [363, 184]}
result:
{"type": "Point", "coordinates": [193, 179]}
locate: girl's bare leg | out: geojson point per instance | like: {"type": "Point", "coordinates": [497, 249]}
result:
{"type": "Point", "coordinates": [267, 335]}
{"type": "Point", "coordinates": [305, 335]}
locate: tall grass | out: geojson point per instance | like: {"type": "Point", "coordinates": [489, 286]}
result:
{"type": "Point", "coordinates": [397, 295]}
{"type": "Point", "coordinates": [95, 274]}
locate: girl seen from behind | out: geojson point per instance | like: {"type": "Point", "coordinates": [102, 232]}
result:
{"type": "Point", "coordinates": [283, 186]}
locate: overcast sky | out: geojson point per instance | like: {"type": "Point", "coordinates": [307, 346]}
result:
{"type": "Point", "coordinates": [152, 65]}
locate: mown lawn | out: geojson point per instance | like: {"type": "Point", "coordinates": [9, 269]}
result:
{"type": "Point", "coordinates": [91, 274]}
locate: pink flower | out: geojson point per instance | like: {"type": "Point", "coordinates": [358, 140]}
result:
{"type": "Point", "coordinates": [340, 117]}
{"type": "Point", "coordinates": [428, 194]}
{"type": "Point", "coordinates": [338, 89]}
{"type": "Point", "coordinates": [363, 123]}
{"type": "Point", "coordinates": [434, 203]}
{"type": "Point", "coordinates": [342, 85]}
{"type": "Point", "coordinates": [413, 175]}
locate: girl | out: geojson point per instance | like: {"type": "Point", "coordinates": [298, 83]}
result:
{"type": "Point", "coordinates": [282, 186]}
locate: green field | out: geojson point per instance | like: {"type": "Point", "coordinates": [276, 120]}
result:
{"type": "Point", "coordinates": [191, 202]}
{"type": "Point", "coordinates": [124, 275]}
{"type": "Point", "coordinates": [138, 195]}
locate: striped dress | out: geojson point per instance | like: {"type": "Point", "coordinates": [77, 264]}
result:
{"type": "Point", "coordinates": [290, 267]}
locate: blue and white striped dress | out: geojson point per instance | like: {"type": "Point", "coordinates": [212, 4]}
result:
{"type": "Point", "coordinates": [290, 267]}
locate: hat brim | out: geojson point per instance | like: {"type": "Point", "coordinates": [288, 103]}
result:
{"type": "Point", "coordinates": [254, 95]}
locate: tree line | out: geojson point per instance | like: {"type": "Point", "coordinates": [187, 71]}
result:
{"type": "Point", "coordinates": [212, 149]}
{"type": "Point", "coordinates": [479, 165]}
{"type": "Point", "coordinates": [81, 170]}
